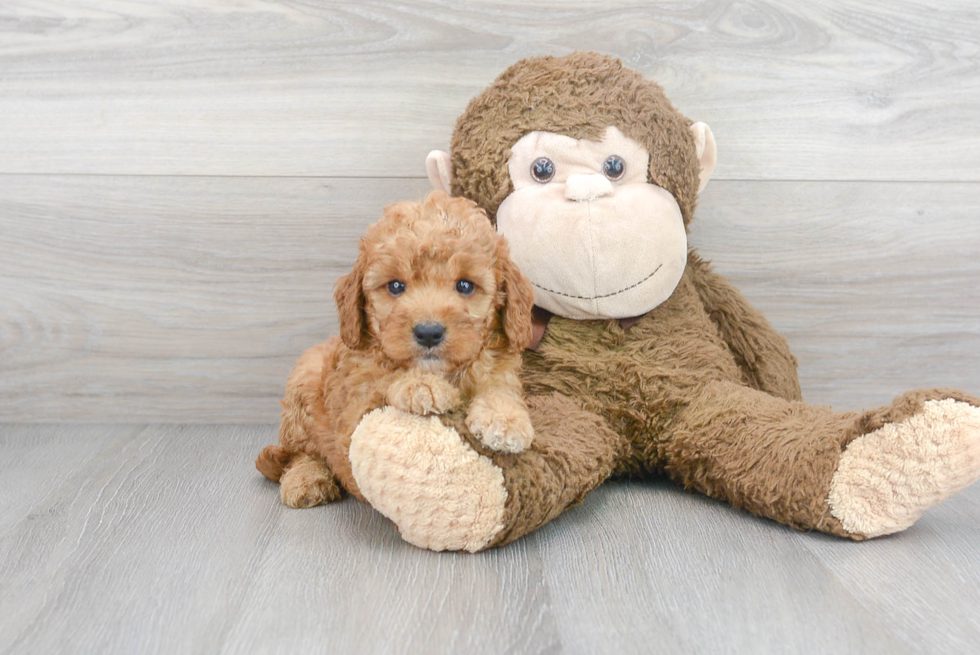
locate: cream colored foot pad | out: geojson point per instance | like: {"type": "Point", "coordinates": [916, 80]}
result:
{"type": "Point", "coordinates": [887, 478]}
{"type": "Point", "coordinates": [440, 493]}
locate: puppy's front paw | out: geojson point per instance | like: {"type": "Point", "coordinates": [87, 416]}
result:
{"type": "Point", "coordinates": [501, 422]}
{"type": "Point", "coordinates": [423, 394]}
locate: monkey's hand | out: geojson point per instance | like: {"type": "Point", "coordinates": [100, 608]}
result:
{"type": "Point", "coordinates": [499, 419]}
{"type": "Point", "coordinates": [422, 393]}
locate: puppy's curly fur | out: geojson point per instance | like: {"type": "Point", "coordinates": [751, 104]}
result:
{"type": "Point", "coordinates": [434, 316]}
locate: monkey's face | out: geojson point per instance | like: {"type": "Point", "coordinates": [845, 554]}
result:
{"type": "Point", "coordinates": [594, 237]}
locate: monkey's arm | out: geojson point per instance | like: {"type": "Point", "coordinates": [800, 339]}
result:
{"type": "Point", "coordinates": [760, 351]}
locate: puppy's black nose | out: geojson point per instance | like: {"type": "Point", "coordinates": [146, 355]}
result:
{"type": "Point", "coordinates": [429, 335]}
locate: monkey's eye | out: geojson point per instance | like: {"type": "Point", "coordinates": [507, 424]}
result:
{"type": "Point", "coordinates": [614, 167]}
{"type": "Point", "coordinates": [542, 170]}
{"type": "Point", "coordinates": [465, 287]}
{"type": "Point", "coordinates": [396, 287]}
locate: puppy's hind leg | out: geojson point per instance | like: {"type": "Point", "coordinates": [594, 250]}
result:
{"type": "Point", "coordinates": [272, 461]}
{"type": "Point", "coordinates": [307, 483]}
{"type": "Point", "coordinates": [303, 480]}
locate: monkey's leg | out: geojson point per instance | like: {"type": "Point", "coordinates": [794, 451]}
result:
{"type": "Point", "coordinates": [856, 474]}
{"type": "Point", "coordinates": [448, 492]}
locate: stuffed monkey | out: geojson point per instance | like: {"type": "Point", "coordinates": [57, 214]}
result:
{"type": "Point", "coordinates": [646, 362]}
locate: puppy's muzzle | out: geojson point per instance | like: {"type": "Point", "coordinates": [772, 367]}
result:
{"type": "Point", "coordinates": [429, 335]}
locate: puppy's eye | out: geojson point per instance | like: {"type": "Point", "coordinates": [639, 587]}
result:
{"type": "Point", "coordinates": [542, 170]}
{"type": "Point", "coordinates": [396, 287]}
{"type": "Point", "coordinates": [614, 167]}
{"type": "Point", "coordinates": [465, 287]}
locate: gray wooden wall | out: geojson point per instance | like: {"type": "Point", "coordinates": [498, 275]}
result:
{"type": "Point", "coordinates": [180, 186]}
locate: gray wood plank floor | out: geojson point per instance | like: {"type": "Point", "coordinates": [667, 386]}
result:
{"type": "Point", "coordinates": [164, 539]}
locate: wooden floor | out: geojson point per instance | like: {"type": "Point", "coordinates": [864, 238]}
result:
{"type": "Point", "coordinates": [164, 539]}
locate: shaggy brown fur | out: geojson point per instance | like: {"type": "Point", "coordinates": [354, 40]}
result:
{"type": "Point", "coordinates": [701, 388]}
{"type": "Point", "coordinates": [578, 96]}
{"type": "Point", "coordinates": [378, 359]}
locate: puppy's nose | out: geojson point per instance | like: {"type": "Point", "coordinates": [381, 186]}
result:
{"type": "Point", "coordinates": [429, 335]}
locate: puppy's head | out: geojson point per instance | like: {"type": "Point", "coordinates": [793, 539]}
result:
{"type": "Point", "coordinates": [434, 285]}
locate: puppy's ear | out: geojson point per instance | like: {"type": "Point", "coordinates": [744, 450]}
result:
{"type": "Point", "coordinates": [349, 295]}
{"type": "Point", "coordinates": [515, 313]}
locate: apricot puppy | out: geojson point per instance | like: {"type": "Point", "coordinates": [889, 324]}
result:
{"type": "Point", "coordinates": [434, 316]}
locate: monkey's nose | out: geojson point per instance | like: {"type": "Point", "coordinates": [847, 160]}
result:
{"type": "Point", "coordinates": [429, 335]}
{"type": "Point", "coordinates": [580, 187]}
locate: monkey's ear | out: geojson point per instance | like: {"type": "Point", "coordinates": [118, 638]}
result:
{"type": "Point", "coordinates": [704, 140]}
{"type": "Point", "coordinates": [349, 295]}
{"type": "Point", "coordinates": [440, 169]}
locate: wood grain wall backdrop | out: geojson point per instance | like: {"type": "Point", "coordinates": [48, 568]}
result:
{"type": "Point", "coordinates": [837, 89]}
{"type": "Point", "coordinates": [180, 185]}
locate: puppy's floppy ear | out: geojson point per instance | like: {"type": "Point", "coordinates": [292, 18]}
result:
{"type": "Point", "coordinates": [349, 295]}
{"type": "Point", "coordinates": [515, 313]}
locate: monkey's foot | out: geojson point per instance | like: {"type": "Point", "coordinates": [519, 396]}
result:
{"type": "Point", "coordinates": [887, 478]}
{"type": "Point", "coordinates": [441, 494]}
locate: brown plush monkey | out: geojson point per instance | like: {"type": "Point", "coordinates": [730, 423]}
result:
{"type": "Point", "coordinates": [650, 363]}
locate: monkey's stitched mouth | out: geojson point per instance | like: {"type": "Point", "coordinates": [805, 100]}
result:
{"type": "Point", "coordinates": [605, 295]}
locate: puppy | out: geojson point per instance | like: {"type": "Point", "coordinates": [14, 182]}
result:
{"type": "Point", "coordinates": [434, 316]}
